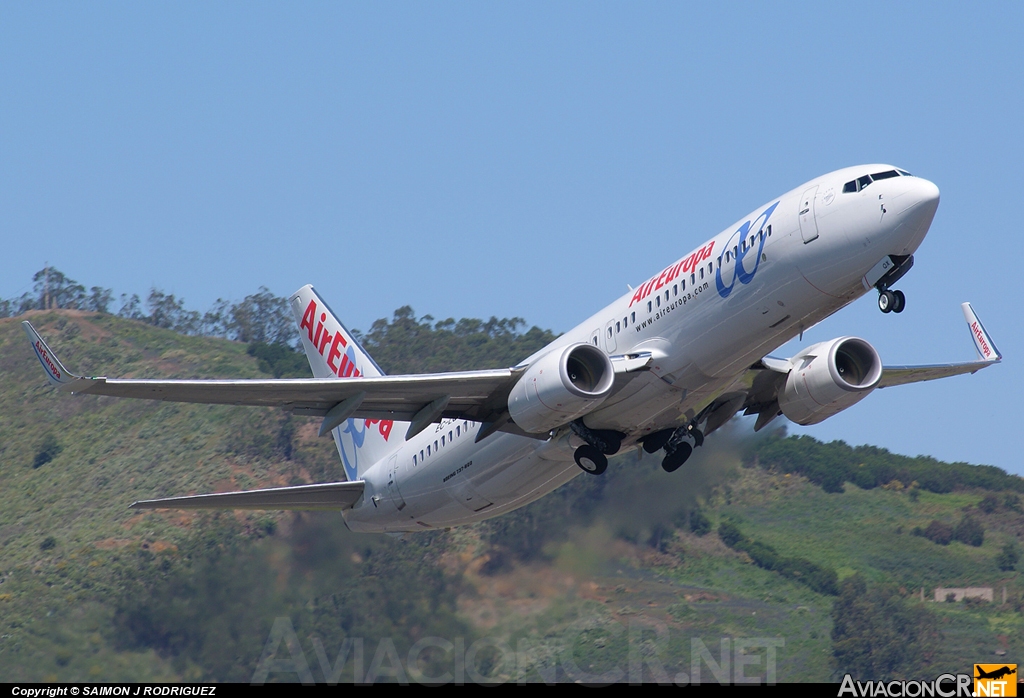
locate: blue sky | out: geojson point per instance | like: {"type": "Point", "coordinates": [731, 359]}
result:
{"type": "Point", "coordinates": [524, 159]}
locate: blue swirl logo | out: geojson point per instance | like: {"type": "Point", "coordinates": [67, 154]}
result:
{"type": "Point", "coordinates": [350, 438]}
{"type": "Point", "coordinates": [739, 269]}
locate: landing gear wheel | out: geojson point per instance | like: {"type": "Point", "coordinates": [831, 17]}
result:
{"type": "Point", "coordinates": [656, 441]}
{"type": "Point", "coordinates": [901, 301]}
{"type": "Point", "coordinates": [674, 460]}
{"type": "Point", "coordinates": [590, 459]}
{"type": "Point", "coordinates": [698, 437]}
{"type": "Point", "coordinates": [886, 301]}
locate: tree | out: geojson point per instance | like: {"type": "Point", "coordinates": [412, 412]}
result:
{"type": "Point", "coordinates": [52, 289]}
{"type": "Point", "coordinates": [877, 634]}
{"type": "Point", "coordinates": [169, 312]}
{"type": "Point", "coordinates": [261, 317]}
{"type": "Point", "coordinates": [970, 531]}
{"type": "Point", "coordinates": [1007, 558]}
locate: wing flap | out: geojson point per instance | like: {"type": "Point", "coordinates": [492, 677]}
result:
{"type": "Point", "coordinates": [330, 496]}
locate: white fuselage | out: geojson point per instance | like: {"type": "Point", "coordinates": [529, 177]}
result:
{"type": "Point", "coordinates": [706, 319]}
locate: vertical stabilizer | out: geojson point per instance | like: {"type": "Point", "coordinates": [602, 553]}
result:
{"type": "Point", "coordinates": [334, 353]}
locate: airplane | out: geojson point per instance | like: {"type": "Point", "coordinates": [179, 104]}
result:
{"type": "Point", "coordinates": [995, 673]}
{"type": "Point", "coordinates": [660, 368]}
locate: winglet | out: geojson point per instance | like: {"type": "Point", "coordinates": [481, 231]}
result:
{"type": "Point", "coordinates": [983, 343]}
{"type": "Point", "coordinates": [55, 370]}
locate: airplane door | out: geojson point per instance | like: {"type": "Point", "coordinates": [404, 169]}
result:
{"type": "Point", "coordinates": [808, 225]}
{"type": "Point", "coordinates": [396, 496]}
{"type": "Point", "coordinates": [609, 337]}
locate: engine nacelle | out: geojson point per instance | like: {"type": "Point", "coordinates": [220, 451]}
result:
{"type": "Point", "coordinates": [560, 386]}
{"type": "Point", "coordinates": [829, 377]}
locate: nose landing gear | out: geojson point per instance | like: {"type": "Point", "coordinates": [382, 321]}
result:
{"type": "Point", "coordinates": [892, 301]}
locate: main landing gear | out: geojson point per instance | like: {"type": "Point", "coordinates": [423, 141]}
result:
{"type": "Point", "coordinates": [892, 301]}
{"type": "Point", "coordinates": [678, 450]}
{"type": "Point", "coordinates": [674, 442]}
{"type": "Point", "coordinates": [592, 457]}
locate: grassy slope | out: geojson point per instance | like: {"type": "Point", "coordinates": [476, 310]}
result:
{"type": "Point", "coordinates": [114, 452]}
{"type": "Point", "coordinates": [55, 607]}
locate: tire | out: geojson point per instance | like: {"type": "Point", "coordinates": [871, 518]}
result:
{"type": "Point", "coordinates": [590, 459]}
{"type": "Point", "coordinates": [656, 441]}
{"type": "Point", "coordinates": [886, 300]}
{"type": "Point", "coordinates": [901, 301]}
{"type": "Point", "coordinates": [673, 461]}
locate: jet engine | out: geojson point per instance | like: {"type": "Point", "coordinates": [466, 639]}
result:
{"type": "Point", "coordinates": [829, 377]}
{"type": "Point", "coordinates": [560, 386]}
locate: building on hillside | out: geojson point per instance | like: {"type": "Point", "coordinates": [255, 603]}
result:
{"type": "Point", "coordinates": [961, 593]}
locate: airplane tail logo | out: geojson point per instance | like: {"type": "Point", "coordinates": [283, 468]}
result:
{"type": "Point", "coordinates": [333, 352]}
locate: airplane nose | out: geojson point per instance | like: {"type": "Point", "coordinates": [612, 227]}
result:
{"type": "Point", "coordinates": [916, 209]}
{"type": "Point", "coordinates": [920, 201]}
{"type": "Point", "coordinates": [927, 194]}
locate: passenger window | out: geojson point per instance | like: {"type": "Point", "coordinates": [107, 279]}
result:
{"type": "Point", "coordinates": [675, 289]}
{"type": "Point", "coordinates": [414, 459]}
{"type": "Point", "coordinates": [428, 449]}
{"type": "Point", "coordinates": [728, 256]}
{"type": "Point", "coordinates": [684, 284]}
{"type": "Point", "coordinates": [657, 300]}
{"type": "Point", "coordinates": [666, 295]}
{"type": "Point", "coordinates": [769, 231]}
{"type": "Point", "coordinates": [702, 272]}
{"type": "Point", "coordinates": [421, 455]}
{"type": "Point", "coordinates": [618, 327]}
{"type": "Point", "coordinates": [609, 333]}
{"type": "Point", "coordinates": [442, 440]}
{"type": "Point", "coordinates": [458, 430]}
{"type": "Point", "coordinates": [693, 279]}
{"type": "Point", "coordinates": [435, 445]}
{"type": "Point", "coordinates": [632, 317]}
{"type": "Point", "coordinates": [648, 306]}
{"type": "Point", "coordinates": [711, 268]}
{"type": "Point", "coordinates": [449, 437]}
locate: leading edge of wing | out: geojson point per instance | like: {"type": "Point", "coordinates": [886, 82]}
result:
{"type": "Point", "coordinates": [390, 397]}
{"type": "Point", "coordinates": [386, 397]}
{"type": "Point", "coordinates": [332, 496]}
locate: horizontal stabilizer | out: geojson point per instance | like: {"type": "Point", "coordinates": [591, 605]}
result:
{"type": "Point", "coordinates": [331, 496]}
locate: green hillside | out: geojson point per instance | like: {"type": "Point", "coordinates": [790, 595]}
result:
{"type": "Point", "coordinates": [633, 566]}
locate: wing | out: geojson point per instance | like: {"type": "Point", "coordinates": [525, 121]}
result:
{"type": "Point", "coordinates": [480, 396]}
{"type": "Point", "coordinates": [332, 496]}
{"type": "Point", "coordinates": [757, 391]}
{"type": "Point", "coordinates": [983, 344]}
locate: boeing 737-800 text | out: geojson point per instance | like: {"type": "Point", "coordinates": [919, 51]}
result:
{"type": "Point", "coordinates": [660, 368]}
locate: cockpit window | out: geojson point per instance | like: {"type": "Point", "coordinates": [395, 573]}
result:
{"type": "Point", "coordinates": [861, 182]}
